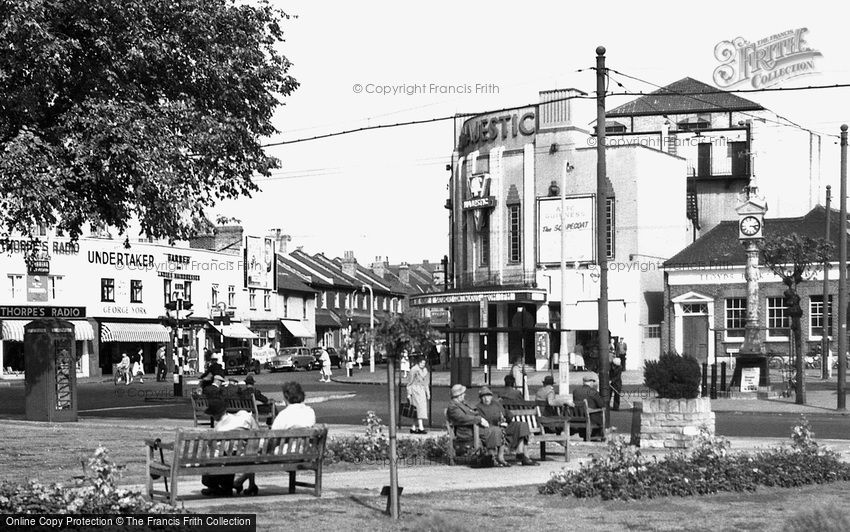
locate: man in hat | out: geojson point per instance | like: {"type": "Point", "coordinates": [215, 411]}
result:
{"type": "Point", "coordinates": [615, 375]}
{"type": "Point", "coordinates": [516, 434]}
{"type": "Point", "coordinates": [509, 393]}
{"type": "Point", "coordinates": [548, 400]}
{"type": "Point", "coordinates": [214, 389]}
{"type": "Point", "coordinates": [463, 417]}
{"type": "Point", "coordinates": [222, 485]}
{"type": "Point", "coordinates": [588, 392]}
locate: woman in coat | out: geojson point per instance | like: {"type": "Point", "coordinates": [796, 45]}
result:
{"type": "Point", "coordinates": [418, 394]}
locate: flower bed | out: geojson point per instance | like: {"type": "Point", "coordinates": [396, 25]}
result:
{"type": "Point", "coordinates": [623, 473]}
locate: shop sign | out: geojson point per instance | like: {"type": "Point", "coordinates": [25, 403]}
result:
{"type": "Point", "coordinates": [476, 297]}
{"type": "Point", "coordinates": [489, 128]}
{"type": "Point", "coordinates": [27, 311]}
{"type": "Point", "coordinates": [37, 288]}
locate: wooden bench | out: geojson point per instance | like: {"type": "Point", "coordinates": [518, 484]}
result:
{"type": "Point", "coordinates": [234, 404]}
{"type": "Point", "coordinates": [580, 418]}
{"type": "Point", "coordinates": [194, 453]}
{"type": "Point", "coordinates": [529, 412]}
{"type": "Point", "coordinates": [470, 447]}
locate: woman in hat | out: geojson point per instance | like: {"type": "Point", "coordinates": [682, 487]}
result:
{"type": "Point", "coordinates": [463, 417]}
{"type": "Point", "coordinates": [418, 394]}
{"type": "Point", "coordinates": [515, 433]}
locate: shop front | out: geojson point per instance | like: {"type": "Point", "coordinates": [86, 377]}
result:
{"type": "Point", "coordinates": [296, 333]}
{"type": "Point", "coordinates": [117, 338]}
{"type": "Point", "coordinates": [12, 362]}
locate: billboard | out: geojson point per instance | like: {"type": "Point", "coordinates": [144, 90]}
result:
{"type": "Point", "coordinates": [579, 224]}
{"type": "Point", "coordinates": [259, 263]}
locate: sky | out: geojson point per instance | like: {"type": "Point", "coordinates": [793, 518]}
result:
{"type": "Point", "coordinates": [382, 193]}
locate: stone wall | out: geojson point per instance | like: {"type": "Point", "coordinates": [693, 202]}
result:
{"type": "Point", "coordinates": [673, 423]}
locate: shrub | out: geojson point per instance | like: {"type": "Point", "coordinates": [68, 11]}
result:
{"type": "Point", "coordinates": [673, 376]}
{"type": "Point", "coordinates": [374, 447]}
{"type": "Point", "coordinates": [94, 493]}
{"type": "Point", "coordinates": [623, 473]}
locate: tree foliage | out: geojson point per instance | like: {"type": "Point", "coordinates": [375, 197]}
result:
{"type": "Point", "coordinates": [149, 109]}
{"type": "Point", "coordinates": [795, 259]}
{"type": "Point", "coordinates": [406, 332]}
{"type": "Point", "coordinates": [673, 376]}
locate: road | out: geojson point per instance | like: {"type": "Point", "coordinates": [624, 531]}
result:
{"type": "Point", "coordinates": [155, 400]}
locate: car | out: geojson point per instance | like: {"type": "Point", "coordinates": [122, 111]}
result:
{"type": "Point", "coordinates": [291, 358]}
{"type": "Point", "coordinates": [238, 360]}
{"type": "Point", "coordinates": [336, 360]}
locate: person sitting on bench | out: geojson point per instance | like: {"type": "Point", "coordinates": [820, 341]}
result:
{"type": "Point", "coordinates": [588, 392]}
{"type": "Point", "coordinates": [463, 417]}
{"type": "Point", "coordinates": [222, 485]}
{"type": "Point", "coordinates": [551, 418]}
{"type": "Point", "coordinates": [509, 392]}
{"type": "Point", "coordinates": [516, 433]}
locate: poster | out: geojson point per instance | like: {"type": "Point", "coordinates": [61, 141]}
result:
{"type": "Point", "coordinates": [259, 262]}
{"type": "Point", "coordinates": [37, 287]}
{"type": "Point", "coordinates": [579, 226]}
{"type": "Point", "coordinates": [750, 379]}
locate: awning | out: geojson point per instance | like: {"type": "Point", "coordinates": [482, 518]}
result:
{"type": "Point", "coordinates": [133, 332]}
{"type": "Point", "coordinates": [298, 329]}
{"type": "Point", "coordinates": [327, 318]}
{"type": "Point", "coordinates": [13, 330]}
{"type": "Point", "coordinates": [236, 330]}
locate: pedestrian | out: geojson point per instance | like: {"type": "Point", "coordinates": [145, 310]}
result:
{"type": "Point", "coordinates": [359, 358]}
{"type": "Point", "coordinates": [161, 366]}
{"type": "Point", "coordinates": [138, 370]}
{"type": "Point", "coordinates": [615, 382]}
{"type": "Point", "coordinates": [418, 394]}
{"type": "Point", "coordinates": [122, 370]}
{"type": "Point", "coordinates": [621, 352]}
{"type": "Point", "coordinates": [404, 365]}
{"type": "Point", "coordinates": [325, 358]}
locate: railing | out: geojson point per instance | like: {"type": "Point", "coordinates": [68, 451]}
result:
{"type": "Point", "coordinates": [475, 280]}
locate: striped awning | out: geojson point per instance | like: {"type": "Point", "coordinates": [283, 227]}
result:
{"type": "Point", "coordinates": [236, 330]}
{"type": "Point", "coordinates": [297, 329]}
{"type": "Point", "coordinates": [13, 330]}
{"type": "Point", "coordinates": [133, 332]}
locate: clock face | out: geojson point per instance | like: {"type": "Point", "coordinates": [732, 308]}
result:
{"type": "Point", "coordinates": [750, 225]}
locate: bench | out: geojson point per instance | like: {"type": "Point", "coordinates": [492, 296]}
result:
{"type": "Point", "coordinates": [529, 412]}
{"type": "Point", "coordinates": [470, 447]}
{"type": "Point", "coordinates": [234, 404]}
{"type": "Point", "coordinates": [580, 418]}
{"type": "Point", "coordinates": [194, 453]}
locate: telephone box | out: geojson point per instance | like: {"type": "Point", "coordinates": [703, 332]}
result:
{"type": "Point", "coordinates": [51, 370]}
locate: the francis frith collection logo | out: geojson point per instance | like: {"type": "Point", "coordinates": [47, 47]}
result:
{"type": "Point", "coordinates": [766, 62]}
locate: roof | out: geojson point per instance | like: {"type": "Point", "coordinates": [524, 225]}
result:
{"type": "Point", "coordinates": [288, 282]}
{"type": "Point", "coordinates": [337, 277]}
{"type": "Point", "coordinates": [721, 247]}
{"type": "Point", "coordinates": [670, 100]}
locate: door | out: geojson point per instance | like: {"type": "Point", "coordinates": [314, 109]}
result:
{"type": "Point", "coordinates": [695, 337]}
{"type": "Point", "coordinates": [704, 159]}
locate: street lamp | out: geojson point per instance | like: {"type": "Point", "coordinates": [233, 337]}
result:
{"type": "Point", "coordinates": [564, 353]}
{"type": "Point", "coordinates": [371, 327]}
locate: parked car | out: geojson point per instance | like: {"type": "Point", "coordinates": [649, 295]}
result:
{"type": "Point", "coordinates": [291, 358]}
{"type": "Point", "coordinates": [239, 360]}
{"type": "Point", "coordinates": [336, 360]}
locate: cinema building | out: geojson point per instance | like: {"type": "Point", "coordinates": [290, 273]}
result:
{"type": "Point", "coordinates": [504, 280]}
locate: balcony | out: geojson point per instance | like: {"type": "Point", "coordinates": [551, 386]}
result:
{"type": "Point", "coordinates": [719, 161]}
{"type": "Point", "coordinates": [494, 279]}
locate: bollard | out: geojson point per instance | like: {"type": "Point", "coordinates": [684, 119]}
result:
{"type": "Point", "coordinates": [723, 376]}
{"type": "Point", "coordinates": [713, 389]}
{"type": "Point", "coordinates": [704, 378]}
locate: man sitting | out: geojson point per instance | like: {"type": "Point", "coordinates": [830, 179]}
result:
{"type": "Point", "coordinates": [264, 404]}
{"type": "Point", "coordinates": [222, 485]}
{"type": "Point", "coordinates": [594, 400]}
{"type": "Point", "coordinates": [509, 393]}
{"type": "Point", "coordinates": [464, 417]}
{"type": "Point", "coordinates": [516, 432]}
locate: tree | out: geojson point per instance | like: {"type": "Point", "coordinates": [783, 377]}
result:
{"type": "Point", "coordinates": [406, 332]}
{"type": "Point", "coordinates": [795, 259]}
{"type": "Point", "coordinates": [112, 110]}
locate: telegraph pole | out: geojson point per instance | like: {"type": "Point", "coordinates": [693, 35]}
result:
{"type": "Point", "coordinates": [601, 248]}
{"type": "Point", "coordinates": [842, 277]}
{"type": "Point", "coordinates": [826, 367]}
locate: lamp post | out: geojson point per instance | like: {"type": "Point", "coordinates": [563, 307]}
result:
{"type": "Point", "coordinates": [371, 327]}
{"type": "Point", "coordinates": [564, 354]}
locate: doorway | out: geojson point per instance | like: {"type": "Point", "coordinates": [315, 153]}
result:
{"type": "Point", "coordinates": [695, 337]}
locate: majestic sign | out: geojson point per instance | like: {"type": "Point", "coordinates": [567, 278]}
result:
{"type": "Point", "coordinates": [439, 300]}
{"type": "Point", "coordinates": [259, 263]}
{"type": "Point", "coordinates": [766, 62]}
{"type": "Point", "coordinates": [479, 198]}
{"type": "Point", "coordinates": [24, 311]}
{"type": "Point", "coordinates": [578, 229]}
{"type": "Point", "coordinates": [489, 128]}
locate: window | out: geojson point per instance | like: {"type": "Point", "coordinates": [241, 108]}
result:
{"type": "Point", "coordinates": [262, 338]}
{"type": "Point", "coordinates": [324, 299]}
{"type": "Point", "coordinates": [16, 287]}
{"type": "Point", "coordinates": [231, 296]}
{"type": "Point", "coordinates": [514, 236]}
{"type": "Point", "coordinates": [214, 295]}
{"type": "Point", "coordinates": [285, 307]}
{"type": "Point", "coordinates": [336, 299]}
{"type": "Point", "coordinates": [166, 291]}
{"type": "Point", "coordinates": [135, 291]}
{"type": "Point", "coordinates": [252, 299]}
{"type": "Point", "coordinates": [609, 227]}
{"type": "Point", "coordinates": [777, 320]}
{"type": "Point", "coordinates": [267, 299]}
{"type": "Point", "coordinates": [694, 308]}
{"type": "Point", "coordinates": [304, 308]}
{"type": "Point", "coordinates": [187, 291]}
{"type": "Point", "coordinates": [736, 317]}
{"type": "Point", "coordinates": [485, 240]}
{"type": "Point", "coordinates": [386, 303]}
{"type": "Point", "coordinates": [653, 331]}
{"type": "Point", "coordinates": [107, 290]}
{"type": "Point", "coordinates": [55, 286]}
{"type": "Point", "coordinates": [615, 128]}
{"type": "Point", "coordinates": [816, 317]}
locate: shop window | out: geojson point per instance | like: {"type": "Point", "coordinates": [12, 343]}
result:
{"type": "Point", "coordinates": [16, 287]}
{"type": "Point", "coordinates": [231, 296]}
{"type": "Point", "coordinates": [816, 317]}
{"type": "Point", "coordinates": [107, 290]}
{"type": "Point", "coordinates": [135, 291]}
{"type": "Point", "coordinates": [267, 299]}
{"type": "Point", "coordinates": [777, 318]}
{"type": "Point", "coordinates": [736, 317]}
{"type": "Point", "coordinates": [166, 291]}
{"type": "Point", "coordinates": [252, 299]}
{"type": "Point", "coordinates": [514, 237]}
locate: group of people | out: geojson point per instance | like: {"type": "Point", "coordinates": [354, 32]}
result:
{"type": "Point", "coordinates": [296, 414]}
{"type": "Point", "coordinates": [130, 368]}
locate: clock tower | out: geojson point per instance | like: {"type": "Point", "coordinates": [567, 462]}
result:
{"type": "Point", "coordinates": [751, 209]}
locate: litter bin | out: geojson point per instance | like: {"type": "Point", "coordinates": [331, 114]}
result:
{"type": "Point", "coordinates": [461, 371]}
{"type": "Point", "coordinates": [51, 372]}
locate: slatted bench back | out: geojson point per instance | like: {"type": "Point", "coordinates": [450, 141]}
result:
{"type": "Point", "coordinates": [201, 449]}
{"type": "Point", "coordinates": [525, 411]}
{"type": "Point", "coordinates": [234, 404]}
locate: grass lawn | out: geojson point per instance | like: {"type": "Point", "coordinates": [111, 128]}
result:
{"type": "Point", "coordinates": [524, 509]}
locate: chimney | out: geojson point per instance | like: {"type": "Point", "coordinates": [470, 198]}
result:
{"type": "Point", "coordinates": [349, 264]}
{"type": "Point", "coordinates": [404, 273]}
{"type": "Point", "coordinates": [559, 112]}
{"type": "Point", "coordinates": [281, 240]}
{"type": "Point", "coordinates": [227, 239]}
{"type": "Point", "coordinates": [379, 267]}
